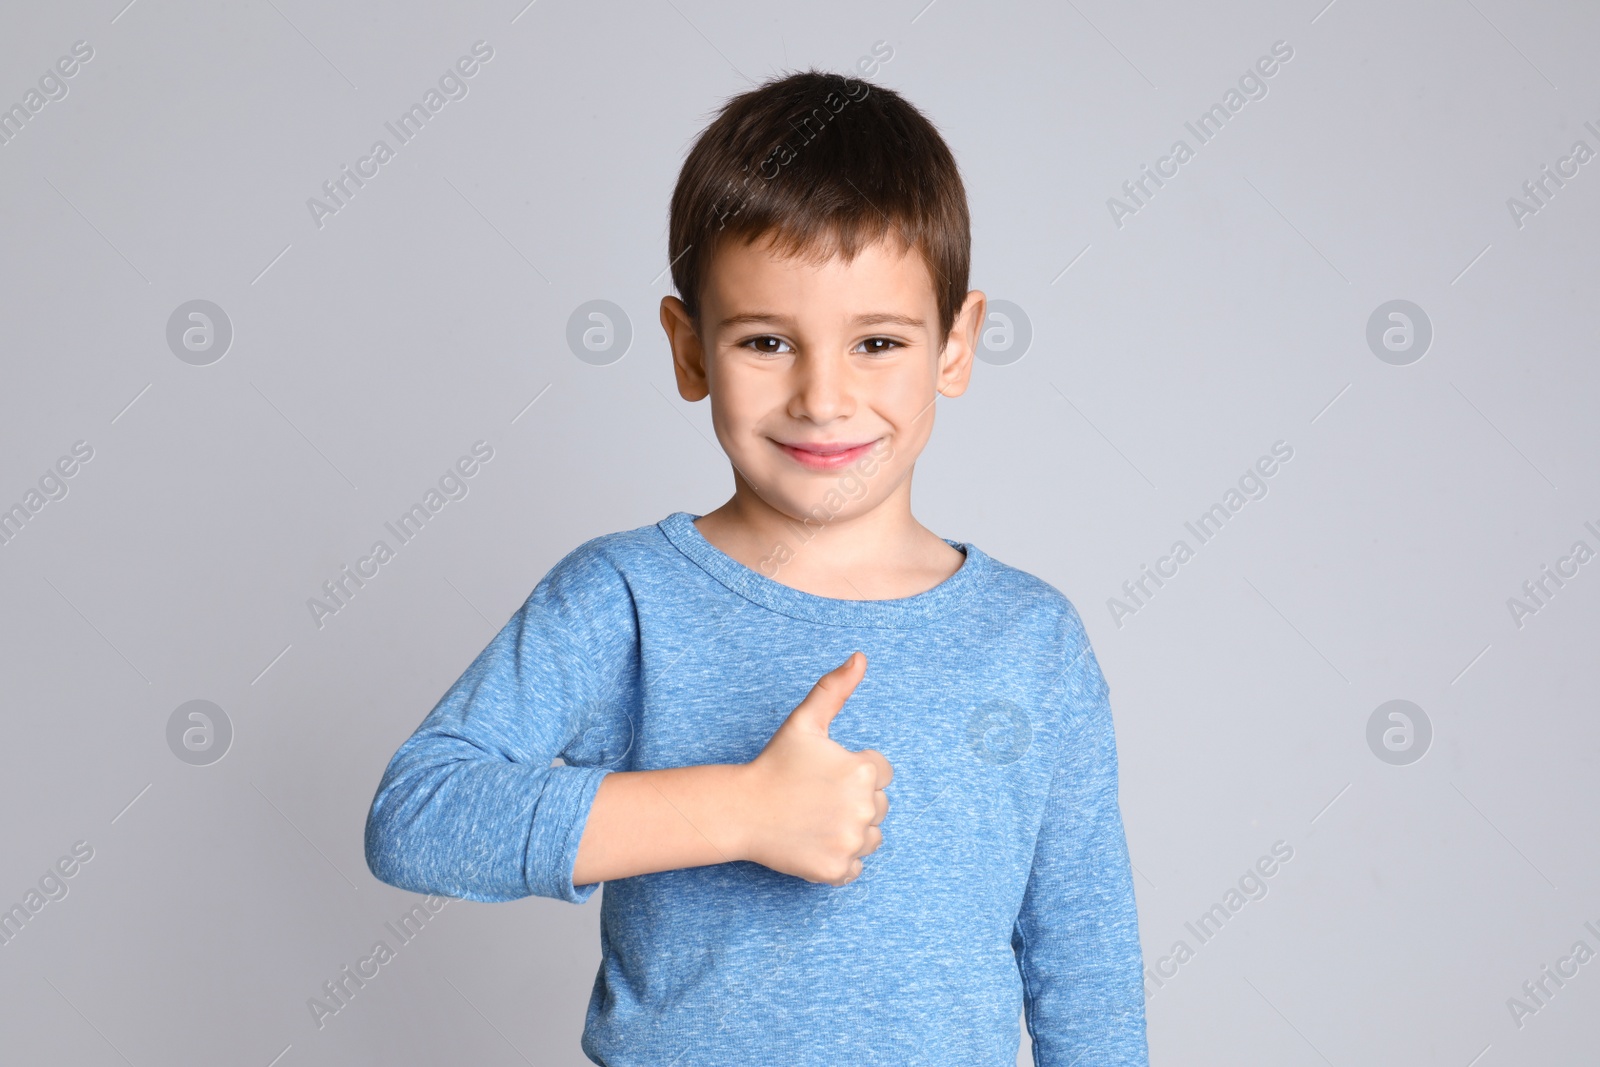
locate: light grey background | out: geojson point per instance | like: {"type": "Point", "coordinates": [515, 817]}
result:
{"type": "Point", "coordinates": [1228, 313]}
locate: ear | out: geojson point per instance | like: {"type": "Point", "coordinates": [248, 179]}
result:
{"type": "Point", "coordinates": [688, 355]}
{"type": "Point", "coordinates": [955, 362]}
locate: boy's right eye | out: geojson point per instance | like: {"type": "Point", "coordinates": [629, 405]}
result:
{"type": "Point", "coordinates": [767, 345]}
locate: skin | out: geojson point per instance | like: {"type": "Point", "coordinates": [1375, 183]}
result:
{"type": "Point", "coordinates": [805, 352]}
{"type": "Point", "coordinates": [814, 351]}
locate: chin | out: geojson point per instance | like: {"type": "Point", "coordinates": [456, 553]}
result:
{"type": "Point", "coordinates": [821, 509]}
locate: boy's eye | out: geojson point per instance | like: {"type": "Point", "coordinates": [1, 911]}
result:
{"type": "Point", "coordinates": [768, 345]}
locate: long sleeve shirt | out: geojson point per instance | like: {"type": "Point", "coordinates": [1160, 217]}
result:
{"type": "Point", "coordinates": [1002, 886]}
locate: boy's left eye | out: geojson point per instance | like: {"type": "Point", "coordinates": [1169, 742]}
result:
{"type": "Point", "coordinates": [877, 346]}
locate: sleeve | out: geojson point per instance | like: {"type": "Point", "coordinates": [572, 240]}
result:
{"type": "Point", "coordinates": [1077, 931]}
{"type": "Point", "coordinates": [470, 805]}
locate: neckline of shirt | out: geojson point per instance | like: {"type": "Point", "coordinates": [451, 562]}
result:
{"type": "Point", "coordinates": [680, 530]}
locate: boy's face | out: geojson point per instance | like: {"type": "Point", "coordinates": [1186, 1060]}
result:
{"type": "Point", "coordinates": [822, 376]}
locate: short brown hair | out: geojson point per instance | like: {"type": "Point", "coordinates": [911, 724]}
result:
{"type": "Point", "coordinates": [821, 164]}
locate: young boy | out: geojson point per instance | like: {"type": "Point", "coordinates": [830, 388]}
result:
{"type": "Point", "coordinates": [735, 696]}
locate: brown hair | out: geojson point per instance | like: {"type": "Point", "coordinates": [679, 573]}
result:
{"type": "Point", "coordinates": [822, 165]}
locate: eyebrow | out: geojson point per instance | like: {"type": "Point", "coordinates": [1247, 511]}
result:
{"type": "Point", "coordinates": [873, 318]}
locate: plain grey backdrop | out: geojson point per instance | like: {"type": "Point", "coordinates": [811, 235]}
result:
{"type": "Point", "coordinates": [1420, 545]}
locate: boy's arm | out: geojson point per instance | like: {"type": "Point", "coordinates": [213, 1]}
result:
{"type": "Point", "coordinates": [805, 806]}
{"type": "Point", "coordinates": [470, 806]}
{"type": "Point", "coordinates": [646, 821]}
{"type": "Point", "coordinates": [1077, 933]}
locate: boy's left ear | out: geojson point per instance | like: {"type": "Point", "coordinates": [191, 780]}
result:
{"type": "Point", "coordinates": [955, 362]}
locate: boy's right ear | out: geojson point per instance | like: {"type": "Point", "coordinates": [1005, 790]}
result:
{"type": "Point", "coordinates": [688, 354]}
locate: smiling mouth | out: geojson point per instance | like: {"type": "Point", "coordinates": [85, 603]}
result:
{"type": "Point", "coordinates": [825, 457]}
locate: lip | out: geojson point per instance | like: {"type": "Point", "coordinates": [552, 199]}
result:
{"type": "Point", "coordinates": [825, 455]}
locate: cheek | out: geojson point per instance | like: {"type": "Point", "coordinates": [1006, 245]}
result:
{"type": "Point", "coordinates": [904, 397]}
{"type": "Point", "coordinates": [743, 397]}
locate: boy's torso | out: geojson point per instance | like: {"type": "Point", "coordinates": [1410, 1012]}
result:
{"type": "Point", "coordinates": [964, 705]}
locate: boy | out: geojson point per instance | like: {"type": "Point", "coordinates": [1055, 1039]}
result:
{"type": "Point", "coordinates": [765, 903]}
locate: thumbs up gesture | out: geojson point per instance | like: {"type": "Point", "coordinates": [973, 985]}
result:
{"type": "Point", "coordinates": [814, 805]}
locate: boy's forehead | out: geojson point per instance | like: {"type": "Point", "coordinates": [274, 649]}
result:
{"type": "Point", "coordinates": [761, 275]}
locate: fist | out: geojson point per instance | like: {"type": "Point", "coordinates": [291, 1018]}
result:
{"type": "Point", "coordinates": [815, 807]}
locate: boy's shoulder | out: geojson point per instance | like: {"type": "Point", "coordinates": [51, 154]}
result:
{"type": "Point", "coordinates": [1029, 595]}
{"type": "Point", "coordinates": [1035, 615]}
{"type": "Point", "coordinates": [592, 590]}
{"type": "Point", "coordinates": [1024, 596]}
{"type": "Point", "coordinates": [1018, 601]}
{"type": "Point", "coordinates": [612, 557]}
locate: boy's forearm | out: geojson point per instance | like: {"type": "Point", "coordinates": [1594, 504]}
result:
{"type": "Point", "coordinates": [642, 822]}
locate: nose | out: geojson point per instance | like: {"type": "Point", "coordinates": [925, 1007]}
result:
{"type": "Point", "coordinates": [822, 388]}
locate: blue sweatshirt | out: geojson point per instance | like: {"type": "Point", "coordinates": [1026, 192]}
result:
{"type": "Point", "coordinates": [1002, 884]}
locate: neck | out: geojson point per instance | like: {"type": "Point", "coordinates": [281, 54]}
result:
{"type": "Point", "coordinates": [851, 554]}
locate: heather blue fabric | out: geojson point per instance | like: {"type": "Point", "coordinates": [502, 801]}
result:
{"type": "Point", "coordinates": [1003, 880]}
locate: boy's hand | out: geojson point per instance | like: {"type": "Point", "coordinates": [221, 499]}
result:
{"type": "Point", "coordinates": [814, 806]}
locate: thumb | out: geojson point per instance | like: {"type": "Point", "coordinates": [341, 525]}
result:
{"type": "Point", "coordinates": [816, 712]}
